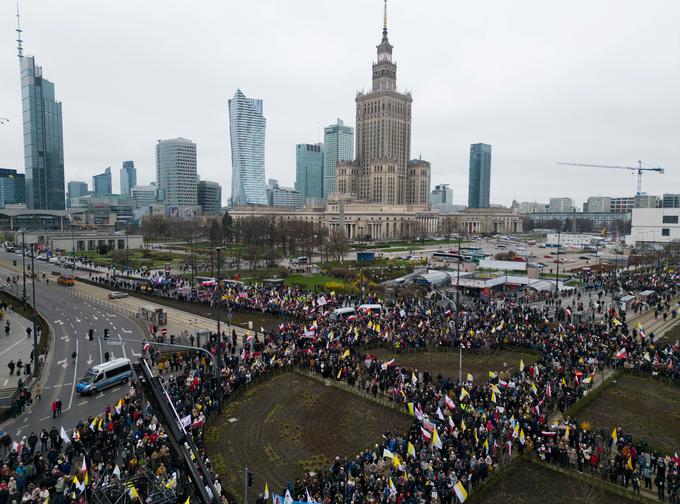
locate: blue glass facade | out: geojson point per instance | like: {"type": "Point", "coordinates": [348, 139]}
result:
{"type": "Point", "coordinates": [12, 187]}
{"type": "Point", "coordinates": [43, 139]}
{"type": "Point", "coordinates": [479, 186]}
{"type": "Point", "coordinates": [101, 184]}
{"type": "Point", "coordinates": [338, 146]}
{"type": "Point", "coordinates": [128, 178]}
{"type": "Point", "coordinates": [210, 197]}
{"type": "Point", "coordinates": [247, 129]}
{"type": "Point", "coordinates": [309, 170]}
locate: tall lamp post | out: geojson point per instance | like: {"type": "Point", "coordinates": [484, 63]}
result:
{"type": "Point", "coordinates": [218, 365]}
{"type": "Point", "coordinates": [557, 273]}
{"type": "Point", "coordinates": [23, 263]}
{"type": "Point", "coordinates": [73, 247]}
{"type": "Point", "coordinates": [35, 333]}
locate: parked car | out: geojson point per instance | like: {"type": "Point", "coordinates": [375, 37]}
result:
{"type": "Point", "coordinates": [117, 295]}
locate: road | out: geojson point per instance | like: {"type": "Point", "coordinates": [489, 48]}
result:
{"type": "Point", "coordinates": [71, 317]}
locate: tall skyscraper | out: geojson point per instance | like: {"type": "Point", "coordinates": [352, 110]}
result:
{"type": "Point", "coordinates": [128, 178]}
{"type": "Point", "coordinates": [338, 146]}
{"type": "Point", "coordinates": [383, 171]}
{"type": "Point", "coordinates": [176, 172]}
{"type": "Point", "coordinates": [43, 138]}
{"type": "Point", "coordinates": [309, 168]}
{"type": "Point", "coordinates": [480, 176]}
{"type": "Point", "coordinates": [101, 184]}
{"type": "Point", "coordinates": [247, 129]}
{"type": "Point", "coordinates": [210, 197]}
{"type": "Point", "coordinates": [76, 190]}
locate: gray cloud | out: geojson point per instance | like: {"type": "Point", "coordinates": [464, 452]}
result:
{"type": "Point", "coordinates": [541, 81]}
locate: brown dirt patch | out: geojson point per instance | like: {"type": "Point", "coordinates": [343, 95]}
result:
{"type": "Point", "coordinates": [289, 425]}
{"type": "Point", "coordinates": [642, 406]}
{"type": "Point", "coordinates": [447, 363]}
{"type": "Point", "coordinates": [528, 483]}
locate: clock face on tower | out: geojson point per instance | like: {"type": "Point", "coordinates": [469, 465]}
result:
{"type": "Point", "coordinates": [384, 57]}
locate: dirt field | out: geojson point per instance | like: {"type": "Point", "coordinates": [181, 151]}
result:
{"type": "Point", "coordinates": [289, 425]}
{"type": "Point", "coordinates": [447, 363]}
{"type": "Point", "coordinates": [644, 407]}
{"type": "Point", "coordinates": [528, 483]}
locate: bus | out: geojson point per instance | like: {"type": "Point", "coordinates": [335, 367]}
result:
{"type": "Point", "coordinates": [446, 256]}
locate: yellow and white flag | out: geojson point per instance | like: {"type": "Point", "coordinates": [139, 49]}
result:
{"type": "Point", "coordinates": [461, 493]}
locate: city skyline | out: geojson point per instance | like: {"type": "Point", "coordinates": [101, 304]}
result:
{"type": "Point", "coordinates": [515, 78]}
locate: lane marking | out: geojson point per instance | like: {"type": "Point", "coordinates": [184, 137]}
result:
{"type": "Point", "coordinates": [81, 403]}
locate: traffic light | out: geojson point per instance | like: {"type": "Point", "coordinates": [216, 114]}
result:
{"type": "Point", "coordinates": [172, 339]}
{"type": "Point", "coordinates": [106, 333]}
{"type": "Point", "coordinates": [90, 334]}
{"type": "Point", "coordinates": [250, 479]}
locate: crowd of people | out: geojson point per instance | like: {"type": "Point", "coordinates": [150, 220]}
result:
{"type": "Point", "coordinates": [462, 430]}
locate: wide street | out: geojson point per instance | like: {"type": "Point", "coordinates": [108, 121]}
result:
{"type": "Point", "coordinates": [71, 317]}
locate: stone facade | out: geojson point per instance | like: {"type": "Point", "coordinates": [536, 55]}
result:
{"type": "Point", "coordinates": [383, 172]}
{"type": "Point", "coordinates": [361, 220]}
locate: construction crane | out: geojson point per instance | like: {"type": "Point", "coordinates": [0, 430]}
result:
{"type": "Point", "coordinates": [639, 169]}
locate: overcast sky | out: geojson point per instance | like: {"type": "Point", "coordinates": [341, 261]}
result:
{"type": "Point", "coordinates": [581, 81]}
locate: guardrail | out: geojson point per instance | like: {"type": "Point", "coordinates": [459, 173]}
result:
{"type": "Point", "coordinates": [91, 299]}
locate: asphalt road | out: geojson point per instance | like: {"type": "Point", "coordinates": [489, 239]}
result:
{"type": "Point", "coordinates": [71, 318]}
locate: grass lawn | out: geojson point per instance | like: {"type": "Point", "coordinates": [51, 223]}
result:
{"type": "Point", "coordinates": [135, 258]}
{"type": "Point", "coordinates": [447, 363]}
{"type": "Point", "coordinates": [529, 483]}
{"type": "Point", "coordinates": [310, 282]}
{"type": "Point", "coordinates": [641, 406]}
{"type": "Point", "coordinates": [289, 425]}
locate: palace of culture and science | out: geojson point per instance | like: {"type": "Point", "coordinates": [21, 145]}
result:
{"type": "Point", "coordinates": [383, 171]}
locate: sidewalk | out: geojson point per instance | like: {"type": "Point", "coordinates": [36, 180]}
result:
{"type": "Point", "coordinates": [14, 347]}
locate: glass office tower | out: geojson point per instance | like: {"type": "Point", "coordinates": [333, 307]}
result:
{"type": "Point", "coordinates": [43, 139]}
{"type": "Point", "coordinates": [480, 176]}
{"type": "Point", "coordinates": [338, 146]}
{"type": "Point", "coordinates": [309, 171]}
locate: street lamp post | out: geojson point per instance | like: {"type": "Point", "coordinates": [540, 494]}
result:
{"type": "Point", "coordinates": [73, 247]}
{"type": "Point", "coordinates": [35, 333]}
{"type": "Point", "coordinates": [218, 374]}
{"type": "Point", "coordinates": [23, 264]}
{"type": "Point", "coordinates": [557, 273]}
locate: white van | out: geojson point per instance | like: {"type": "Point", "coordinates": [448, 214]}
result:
{"type": "Point", "coordinates": [105, 375]}
{"type": "Point", "coordinates": [377, 308]}
{"type": "Point", "coordinates": [342, 312]}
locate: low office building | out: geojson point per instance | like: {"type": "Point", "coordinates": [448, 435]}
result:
{"type": "Point", "coordinates": [110, 211]}
{"type": "Point", "coordinates": [12, 187]}
{"type": "Point", "coordinates": [209, 197]}
{"type": "Point", "coordinates": [79, 240]}
{"type": "Point", "coordinates": [654, 225]}
{"type": "Point", "coordinates": [14, 219]}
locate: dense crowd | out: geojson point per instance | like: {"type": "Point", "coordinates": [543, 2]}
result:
{"type": "Point", "coordinates": [461, 431]}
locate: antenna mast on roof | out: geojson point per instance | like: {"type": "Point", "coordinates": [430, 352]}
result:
{"type": "Point", "coordinates": [20, 42]}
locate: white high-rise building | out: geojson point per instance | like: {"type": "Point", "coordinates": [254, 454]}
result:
{"type": "Point", "coordinates": [561, 205]}
{"type": "Point", "coordinates": [247, 131]}
{"type": "Point", "coordinates": [599, 204]}
{"type": "Point", "coordinates": [176, 172]}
